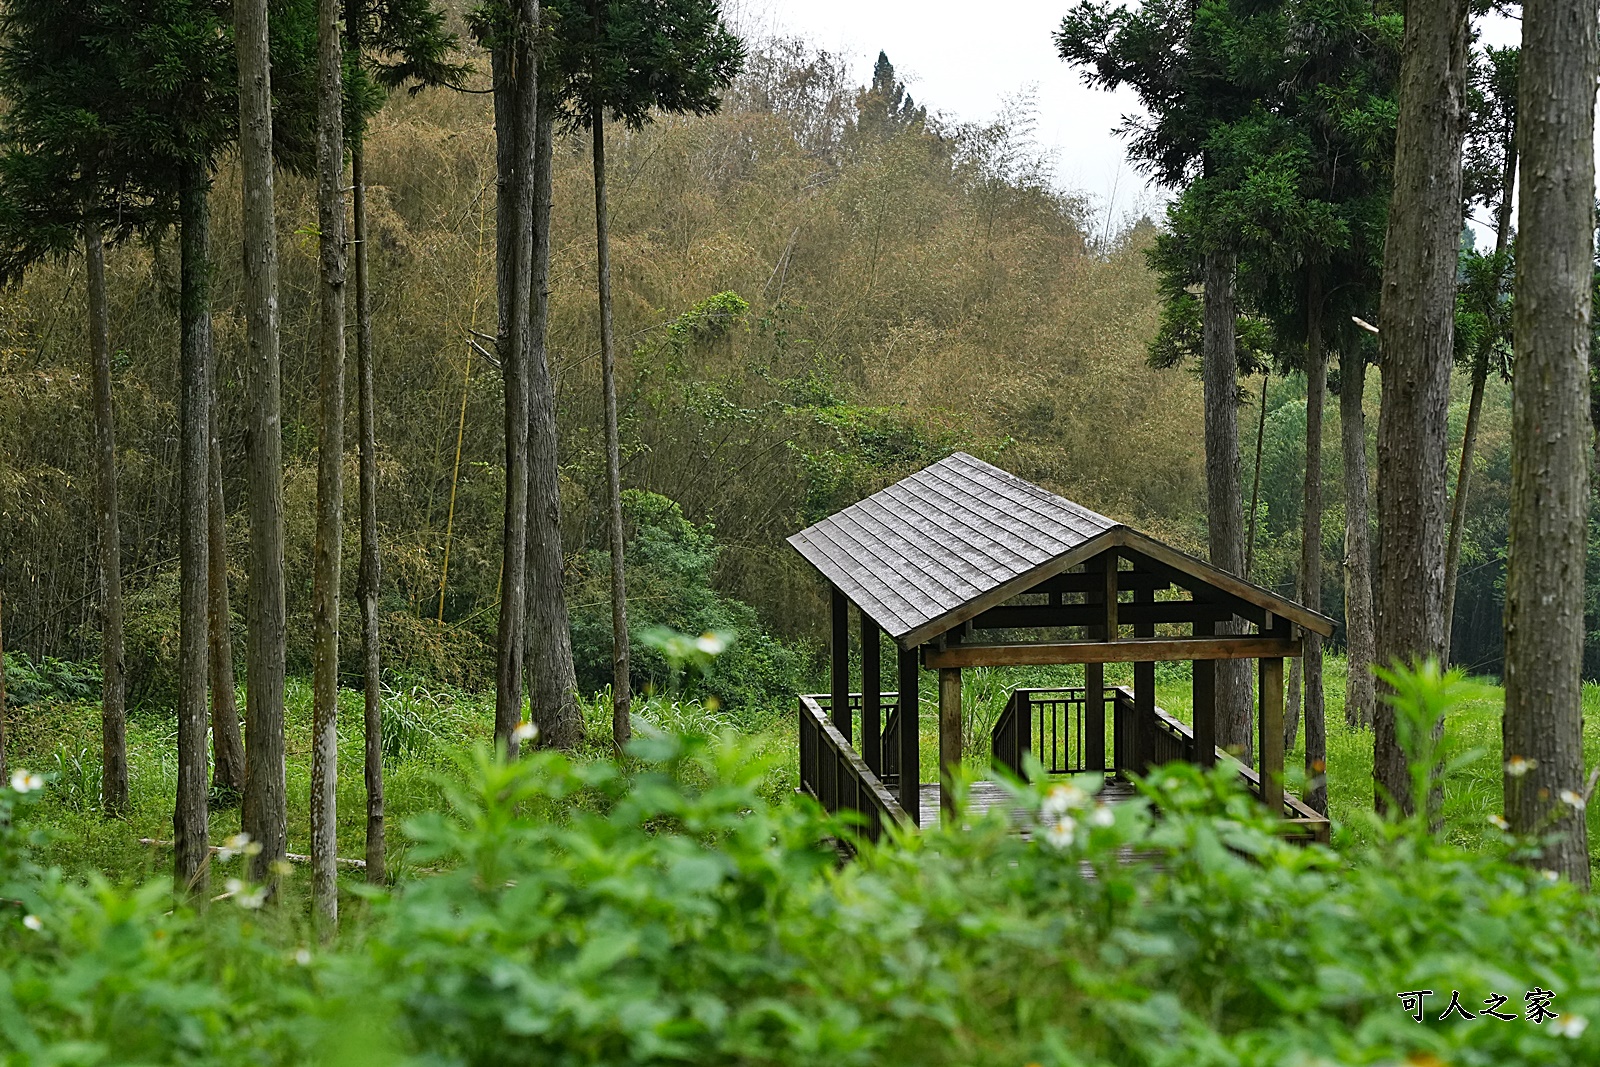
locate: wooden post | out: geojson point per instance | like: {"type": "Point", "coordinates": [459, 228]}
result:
{"type": "Point", "coordinates": [910, 736]}
{"type": "Point", "coordinates": [1094, 690]}
{"type": "Point", "coordinates": [1144, 694]}
{"type": "Point", "coordinates": [871, 696]}
{"type": "Point", "coordinates": [1270, 742]}
{"type": "Point", "coordinates": [949, 736]}
{"type": "Point", "coordinates": [840, 712]}
{"type": "Point", "coordinates": [1121, 758]}
{"type": "Point", "coordinates": [1205, 703]}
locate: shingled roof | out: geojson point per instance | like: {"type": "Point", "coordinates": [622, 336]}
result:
{"type": "Point", "coordinates": [962, 535]}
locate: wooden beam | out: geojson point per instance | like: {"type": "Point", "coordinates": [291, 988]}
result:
{"type": "Point", "coordinates": [1024, 616]}
{"type": "Point", "coordinates": [1093, 581]}
{"type": "Point", "coordinates": [1270, 743]}
{"type": "Point", "coordinates": [1228, 583]}
{"type": "Point", "coordinates": [910, 735]}
{"type": "Point", "coordinates": [1137, 650]}
{"type": "Point", "coordinates": [1144, 693]}
{"type": "Point", "coordinates": [1202, 590]}
{"type": "Point", "coordinates": [1109, 595]}
{"type": "Point", "coordinates": [1205, 702]}
{"type": "Point", "coordinates": [839, 688]}
{"type": "Point", "coordinates": [949, 737]}
{"type": "Point", "coordinates": [871, 695]}
{"type": "Point", "coordinates": [1094, 685]}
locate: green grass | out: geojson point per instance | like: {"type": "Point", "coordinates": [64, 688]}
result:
{"type": "Point", "coordinates": [428, 729]}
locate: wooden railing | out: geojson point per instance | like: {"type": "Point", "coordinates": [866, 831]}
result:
{"type": "Point", "coordinates": [1046, 722]}
{"type": "Point", "coordinates": [833, 772]}
{"type": "Point", "coordinates": [1172, 741]}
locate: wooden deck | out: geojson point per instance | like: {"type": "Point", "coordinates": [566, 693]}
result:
{"type": "Point", "coordinates": [986, 795]}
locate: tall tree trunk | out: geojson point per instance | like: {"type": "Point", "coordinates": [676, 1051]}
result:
{"type": "Point", "coordinates": [621, 697]}
{"type": "Point", "coordinates": [1480, 377]}
{"type": "Point", "coordinates": [1358, 621]}
{"type": "Point", "coordinates": [1417, 323]}
{"type": "Point", "coordinates": [4, 771]}
{"type": "Point", "coordinates": [1551, 433]}
{"type": "Point", "coordinates": [1255, 486]}
{"type": "Point", "coordinates": [113, 715]}
{"type": "Point", "coordinates": [265, 790]}
{"type": "Point", "coordinates": [227, 747]}
{"type": "Point", "coordinates": [367, 581]}
{"type": "Point", "coordinates": [552, 678]}
{"type": "Point", "coordinates": [189, 817]}
{"type": "Point", "coordinates": [515, 117]}
{"type": "Point", "coordinates": [1224, 511]}
{"type": "Point", "coordinates": [328, 548]}
{"type": "Point", "coordinates": [1316, 790]}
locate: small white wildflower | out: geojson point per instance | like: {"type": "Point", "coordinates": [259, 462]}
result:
{"type": "Point", "coordinates": [1102, 815]}
{"type": "Point", "coordinates": [253, 899]}
{"type": "Point", "coordinates": [33, 922]}
{"type": "Point", "coordinates": [26, 781]}
{"type": "Point", "coordinates": [1061, 833]}
{"type": "Point", "coordinates": [711, 644]}
{"type": "Point", "coordinates": [1517, 766]}
{"type": "Point", "coordinates": [1061, 800]}
{"type": "Point", "coordinates": [1573, 800]}
{"type": "Point", "coordinates": [302, 956]}
{"type": "Point", "coordinates": [1571, 1026]}
{"type": "Point", "coordinates": [233, 846]}
{"type": "Point", "coordinates": [1499, 823]}
{"type": "Point", "coordinates": [234, 886]}
{"type": "Point", "coordinates": [1550, 876]}
{"type": "Point", "coordinates": [525, 732]}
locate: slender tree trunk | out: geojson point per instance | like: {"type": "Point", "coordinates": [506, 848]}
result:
{"type": "Point", "coordinates": [227, 746]}
{"type": "Point", "coordinates": [265, 790]}
{"type": "Point", "coordinates": [1255, 488]}
{"type": "Point", "coordinates": [189, 817]}
{"type": "Point", "coordinates": [367, 581]}
{"type": "Point", "coordinates": [1551, 434]}
{"type": "Point", "coordinates": [515, 107]}
{"type": "Point", "coordinates": [621, 697]}
{"type": "Point", "coordinates": [113, 715]}
{"type": "Point", "coordinates": [4, 771]}
{"type": "Point", "coordinates": [1358, 622]}
{"type": "Point", "coordinates": [1480, 377]}
{"type": "Point", "coordinates": [552, 679]}
{"type": "Point", "coordinates": [1417, 323]}
{"type": "Point", "coordinates": [1291, 703]}
{"type": "Point", "coordinates": [328, 548]}
{"type": "Point", "coordinates": [1316, 790]}
{"type": "Point", "coordinates": [1224, 518]}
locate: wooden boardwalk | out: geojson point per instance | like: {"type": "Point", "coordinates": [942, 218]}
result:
{"type": "Point", "coordinates": [985, 795]}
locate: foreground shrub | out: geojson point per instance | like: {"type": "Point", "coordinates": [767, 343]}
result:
{"type": "Point", "coordinates": [662, 913]}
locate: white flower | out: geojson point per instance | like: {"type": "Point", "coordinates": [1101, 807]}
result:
{"type": "Point", "coordinates": [1061, 833]}
{"type": "Point", "coordinates": [1499, 823]}
{"type": "Point", "coordinates": [253, 899]}
{"type": "Point", "coordinates": [1517, 766]}
{"type": "Point", "coordinates": [26, 781]}
{"type": "Point", "coordinates": [1102, 815]}
{"type": "Point", "coordinates": [1550, 876]}
{"type": "Point", "coordinates": [234, 886]}
{"type": "Point", "coordinates": [1061, 800]}
{"type": "Point", "coordinates": [1573, 800]}
{"type": "Point", "coordinates": [711, 644]}
{"type": "Point", "coordinates": [233, 846]}
{"type": "Point", "coordinates": [525, 732]}
{"type": "Point", "coordinates": [33, 922]}
{"type": "Point", "coordinates": [1570, 1026]}
{"type": "Point", "coordinates": [302, 956]}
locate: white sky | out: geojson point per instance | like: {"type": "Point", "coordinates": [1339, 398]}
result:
{"type": "Point", "coordinates": [966, 62]}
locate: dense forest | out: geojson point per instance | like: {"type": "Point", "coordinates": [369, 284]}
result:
{"type": "Point", "coordinates": [834, 297]}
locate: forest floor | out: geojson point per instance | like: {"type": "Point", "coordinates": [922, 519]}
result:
{"type": "Point", "coordinates": [429, 733]}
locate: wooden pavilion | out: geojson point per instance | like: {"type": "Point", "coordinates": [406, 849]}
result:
{"type": "Point", "coordinates": [965, 565]}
